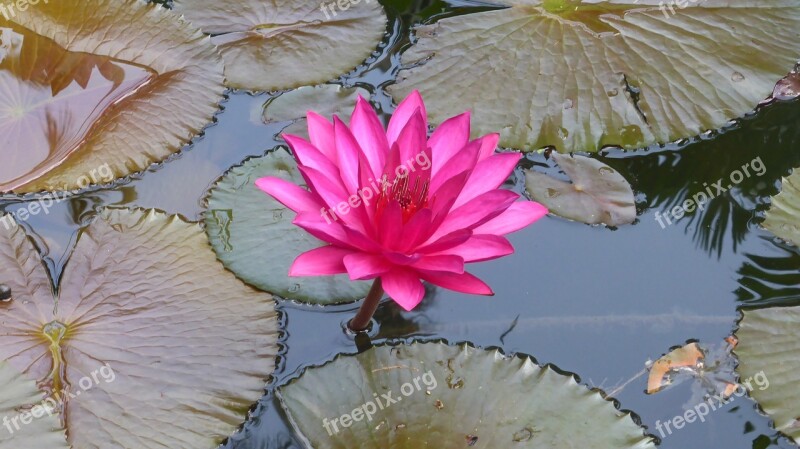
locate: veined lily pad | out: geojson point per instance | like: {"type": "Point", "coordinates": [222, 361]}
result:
{"type": "Point", "coordinates": [769, 341]}
{"type": "Point", "coordinates": [189, 346]}
{"type": "Point", "coordinates": [448, 397]}
{"type": "Point", "coordinates": [89, 87]}
{"type": "Point", "coordinates": [783, 218]}
{"type": "Point", "coordinates": [580, 75]}
{"type": "Point", "coordinates": [19, 395]}
{"type": "Point", "coordinates": [326, 100]}
{"type": "Point", "coordinates": [597, 194]}
{"type": "Point", "coordinates": [281, 44]}
{"type": "Point", "coordinates": [254, 237]}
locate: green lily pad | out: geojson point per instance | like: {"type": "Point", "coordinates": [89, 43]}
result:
{"type": "Point", "coordinates": [282, 44]}
{"type": "Point", "coordinates": [19, 395]}
{"type": "Point", "coordinates": [451, 397]}
{"type": "Point", "coordinates": [597, 193]}
{"type": "Point", "coordinates": [769, 341]}
{"type": "Point", "coordinates": [254, 237]}
{"type": "Point", "coordinates": [581, 75]}
{"type": "Point", "coordinates": [152, 342]}
{"type": "Point", "coordinates": [783, 218]}
{"type": "Point", "coordinates": [326, 100]}
{"type": "Point", "coordinates": [92, 90]}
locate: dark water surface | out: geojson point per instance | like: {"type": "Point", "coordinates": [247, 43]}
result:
{"type": "Point", "coordinates": [591, 300]}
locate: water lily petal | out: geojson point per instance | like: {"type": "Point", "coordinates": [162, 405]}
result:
{"type": "Point", "coordinates": [390, 225]}
{"type": "Point", "coordinates": [417, 230]}
{"type": "Point", "coordinates": [412, 140]}
{"type": "Point", "coordinates": [368, 131]}
{"type": "Point", "coordinates": [451, 240]}
{"type": "Point", "coordinates": [336, 198]}
{"type": "Point", "coordinates": [516, 217]}
{"type": "Point", "coordinates": [365, 266]}
{"type": "Point", "coordinates": [444, 262]}
{"type": "Point", "coordinates": [403, 113]}
{"type": "Point", "coordinates": [348, 152]}
{"type": "Point", "coordinates": [488, 145]}
{"type": "Point", "coordinates": [463, 161]}
{"type": "Point", "coordinates": [404, 287]}
{"type": "Point", "coordinates": [477, 211]}
{"type": "Point", "coordinates": [489, 174]}
{"type": "Point", "coordinates": [482, 247]}
{"type": "Point", "coordinates": [310, 156]}
{"type": "Point", "coordinates": [448, 138]}
{"type": "Point", "coordinates": [290, 195]}
{"type": "Point", "coordinates": [463, 283]}
{"type": "Point", "coordinates": [321, 261]}
{"type": "Point", "coordinates": [320, 131]}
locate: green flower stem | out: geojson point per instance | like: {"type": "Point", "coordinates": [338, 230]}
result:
{"type": "Point", "coordinates": [361, 321]}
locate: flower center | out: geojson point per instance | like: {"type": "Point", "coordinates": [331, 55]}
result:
{"type": "Point", "coordinates": [411, 196]}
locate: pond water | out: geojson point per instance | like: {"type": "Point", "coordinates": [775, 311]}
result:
{"type": "Point", "coordinates": [593, 301]}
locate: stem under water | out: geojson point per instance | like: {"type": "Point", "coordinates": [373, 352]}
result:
{"type": "Point", "coordinates": [361, 321]}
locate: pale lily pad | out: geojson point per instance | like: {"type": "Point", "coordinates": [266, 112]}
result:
{"type": "Point", "coordinates": [326, 100]}
{"type": "Point", "coordinates": [92, 90]}
{"type": "Point", "coordinates": [254, 237]}
{"type": "Point", "coordinates": [580, 75]}
{"type": "Point", "coordinates": [769, 344]}
{"type": "Point", "coordinates": [187, 347]}
{"type": "Point", "coordinates": [597, 194]}
{"type": "Point", "coordinates": [783, 218]}
{"type": "Point", "coordinates": [18, 395]}
{"type": "Point", "coordinates": [451, 397]}
{"type": "Point", "coordinates": [282, 44]}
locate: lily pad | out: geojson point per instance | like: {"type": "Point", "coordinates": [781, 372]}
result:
{"type": "Point", "coordinates": [451, 397]}
{"type": "Point", "coordinates": [19, 395]}
{"type": "Point", "coordinates": [597, 194]}
{"type": "Point", "coordinates": [769, 341]}
{"type": "Point", "coordinates": [326, 100]}
{"type": "Point", "coordinates": [783, 218]}
{"type": "Point", "coordinates": [283, 44]}
{"type": "Point", "coordinates": [92, 90]}
{"type": "Point", "coordinates": [187, 348]}
{"type": "Point", "coordinates": [581, 75]}
{"type": "Point", "coordinates": [254, 237]}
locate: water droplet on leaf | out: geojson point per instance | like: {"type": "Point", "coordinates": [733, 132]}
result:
{"type": "Point", "coordinates": [737, 77]}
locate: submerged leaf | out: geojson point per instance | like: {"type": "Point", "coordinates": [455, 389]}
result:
{"type": "Point", "coordinates": [580, 75]}
{"type": "Point", "coordinates": [19, 395]}
{"type": "Point", "coordinates": [92, 90]}
{"type": "Point", "coordinates": [254, 237]}
{"type": "Point", "coordinates": [597, 194]}
{"type": "Point", "coordinates": [783, 218]}
{"type": "Point", "coordinates": [768, 348]}
{"type": "Point", "coordinates": [189, 346]}
{"type": "Point", "coordinates": [281, 44]}
{"type": "Point", "coordinates": [326, 100]}
{"type": "Point", "coordinates": [449, 397]}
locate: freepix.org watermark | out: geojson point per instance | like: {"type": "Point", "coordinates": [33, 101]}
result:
{"type": "Point", "coordinates": [343, 5]}
{"type": "Point", "coordinates": [382, 402]}
{"type": "Point", "coordinates": [713, 403]}
{"type": "Point", "coordinates": [9, 10]}
{"type": "Point", "coordinates": [672, 4]}
{"type": "Point", "coordinates": [55, 403]}
{"type": "Point", "coordinates": [701, 198]}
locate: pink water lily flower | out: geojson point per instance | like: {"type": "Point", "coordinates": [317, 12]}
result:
{"type": "Point", "coordinates": [399, 207]}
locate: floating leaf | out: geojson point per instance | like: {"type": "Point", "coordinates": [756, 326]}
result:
{"type": "Point", "coordinates": [688, 356]}
{"type": "Point", "coordinates": [326, 100]}
{"type": "Point", "coordinates": [254, 237]}
{"type": "Point", "coordinates": [783, 218]}
{"type": "Point", "coordinates": [597, 194]}
{"type": "Point", "coordinates": [189, 346]}
{"type": "Point", "coordinates": [769, 341]}
{"type": "Point", "coordinates": [580, 75]}
{"type": "Point", "coordinates": [19, 395]}
{"type": "Point", "coordinates": [711, 368]}
{"type": "Point", "coordinates": [451, 397]}
{"type": "Point", "coordinates": [282, 44]}
{"type": "Point", "coordinates": [85, 83]}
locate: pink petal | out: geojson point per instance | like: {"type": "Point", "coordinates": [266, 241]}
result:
{"type": "Point", "coordinates": [413, 140]}
{"type": "Point", "coordinates": [477, 211]}
{"type": "Point", "coordinates": [516, 217]}
{"type": "Point", "coordinates": [368, 131]}
{"type": "Point", "coordinates": [445, 196]}
{"type": "Point", "coordinates": [417, 230]}
{"type": "Point", "coordinates": [348, 152]}
{"type": "Point", "coordinates": [447, 139]}
{"type": "Point", "coordinates": [390, 225]}
{"type": "Point", "coordinates": [463, 161]}
{"type": "Point", "coordinates": [403, 113]}
{"type": "Point", "coordinates": [320, 131]}
{"type": "Point", "coordinates": [335, 197]}
{"type": "Point", "coordinates": [322, 261]}
{"type": "Point", "coordinates": [308, 155]}
{"type": "Point", "coordinates": [401, 259]}
{"type": "Point", "coordinates": [288, 194]}
{"type": "Point", "coordinates": [482, 247]}
{"type": "Point", "coordinates": [488, 145]}
{"type": "Point", "coordinates": [365, 266]}
{"type": "Point", "coordinates": [488, 175]}
{"type": "Point", "coordinates": [449, 241]}
{"type": "Point", "coordinates": [404, 287]}
{"type": "Point", "coordinates": [326, 229]}
{"type": "Point", "coordinates": [446, 262]}
{"type": "Point", "coordinates": [464, 282]}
